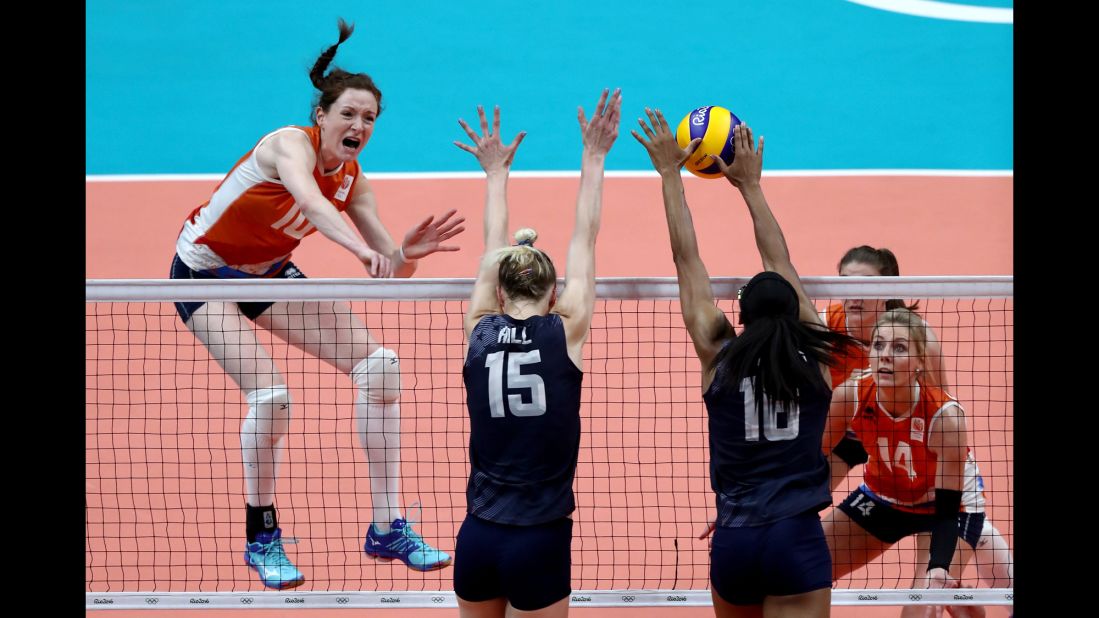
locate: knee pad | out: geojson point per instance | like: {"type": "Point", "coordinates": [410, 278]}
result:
{"type": "Point", "coordinates": [268, 418]}
{"type": "Point", "coordinates": [378, 376]}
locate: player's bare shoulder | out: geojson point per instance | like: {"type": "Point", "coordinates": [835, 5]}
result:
{"type": "Point", "coordinates": [284, 145]}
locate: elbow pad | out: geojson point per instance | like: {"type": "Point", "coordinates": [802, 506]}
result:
{"type": "Point", "coordinates": [851, 451]}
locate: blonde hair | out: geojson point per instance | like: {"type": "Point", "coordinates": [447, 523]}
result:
{"type": "Point", "coordinates": [917, 331]}
{"type": "Point", "coordinates": [525, 272]}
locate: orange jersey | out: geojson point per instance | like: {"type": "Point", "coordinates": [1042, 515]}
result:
{"type": "Point", "coordinates": [856, 360]}
{"type": "Point", "coordinates": [901, 469]}
{"type": "Point", "coordinates": [252, 223]}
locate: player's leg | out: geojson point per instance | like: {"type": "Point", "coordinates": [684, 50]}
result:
{"type": "Point", "coordinates": [231, 341]}
{"type": "Point", "coordinates": [969, 525]}
{"type": "Point", "coordinates": [477, 582]}
{"type": "Point", "coordinates": [995, 563]}
{"type": "Point", "coordinates": [560, 609]}
{"type": "Point", "coordinates": [332, 333]}
{"type": "Point", "coordinates": [736, 579]}
{"type": "Point", "coordinates": [493, 608]}
{"type": "Point", "coordinates": [535, 567]}
{"type": "Point", "coordinates": [813, 604]}
{"type": "Point", "coordinates": [725, 609]}
{"type": "Point", "coordinates": [847, 529]}
{"type": "Point", "coordinates": [797, 568]}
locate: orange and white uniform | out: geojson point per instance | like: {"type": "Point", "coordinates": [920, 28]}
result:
{"type": "Point", "coordinates": [251, 224]}
{"type": "Point", "coordinates": [857, 359]}
{"type": "Point", "coordinates": [901, 470]}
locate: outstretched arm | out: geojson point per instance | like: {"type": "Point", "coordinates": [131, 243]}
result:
{"type": "Point", "coordinates": [425, 238]}
{"type": "Point", "coordinates": [577, 300]}
{"type": "Point", "coordinates": [289, 156]}
{"type": "Point", "coordinates": [495, 159]}
{"type": "Point", "coordinates": [744, 174]}
{"type": "Point", "coordinates": [839, 413]}
{"type": "Point", "coordinates": [705, 322]}
{"type": "Point", "coordinates": [948, 442]}
{"type": "Point", "coordinates": [835, 441]}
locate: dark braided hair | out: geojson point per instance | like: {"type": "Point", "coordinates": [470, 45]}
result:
{"type": "Point", "coordinates": [770, 352]}
{"type": "Point", "coordinates": [776, 350]}
{"type": "Point", "coordinates": [331, 86]}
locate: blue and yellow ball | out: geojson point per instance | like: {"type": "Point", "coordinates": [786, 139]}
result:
{"type": "Point", "coordinates": [715, 126]}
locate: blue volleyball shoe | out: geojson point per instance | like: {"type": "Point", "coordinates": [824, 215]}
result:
{"type": "Point", "coordinates": [268, 558]}
{"type": "Point", "coordinates": [404, 544]}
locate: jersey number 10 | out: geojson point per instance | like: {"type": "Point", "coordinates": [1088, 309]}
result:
{"type": "Point", "coordinates": [771, 430]}
{"type": "Point", "coordinates": [496, 384]}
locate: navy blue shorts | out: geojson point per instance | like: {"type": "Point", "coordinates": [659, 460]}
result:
{"type": "Point", "coordinates": [889, 525]}
{"type": "Point", "coordinates": [530, 566]}
{"type": "Point", "coordinates": [789, 556]}
{"type": "Point", "coordinates": [250, 310]}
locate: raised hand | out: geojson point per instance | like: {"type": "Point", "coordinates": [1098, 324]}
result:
{"type": "Point", "coordinates": [489, 150]}
{"type": "Point", "coordinates": [747, 166]}
{"type": "Point", "coordinates": [663, 149]}
{"type": "Point", "coordinates": [427, 237]}
{"type": "Point", "coordinates": [600, 132]}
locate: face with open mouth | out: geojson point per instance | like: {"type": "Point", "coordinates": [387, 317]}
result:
{"type": "Point", "coordinates": [861, 313]}
{"type": "Point", "coordinates": [893, 358]}
{"type": "Point", "coordinates": [346, 126]}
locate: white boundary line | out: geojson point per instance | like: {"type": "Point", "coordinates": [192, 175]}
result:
{"type": "Point", "coordinates": [570, 174]}
{"type": "Point", "coordinates": [446, 598]}
{"type": "Point", "coordinates": [943, 10]}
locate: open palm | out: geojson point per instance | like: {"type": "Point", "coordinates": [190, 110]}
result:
{"type": "Point", "coordinates": [428, 237]}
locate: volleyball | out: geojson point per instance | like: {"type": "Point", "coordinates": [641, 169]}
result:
{"type": "Point", "coordinates": [715, 126]}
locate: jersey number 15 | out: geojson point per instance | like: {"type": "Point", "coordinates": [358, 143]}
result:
{"type": "Point", "coordinates": [496, 384]}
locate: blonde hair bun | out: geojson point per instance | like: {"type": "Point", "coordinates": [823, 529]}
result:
{"type": "Point", "coordinates": [525, 236]}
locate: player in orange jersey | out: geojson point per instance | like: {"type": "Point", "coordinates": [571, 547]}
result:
{"type": "Point", "coordinates": [856, 317]}
{"type": "Point", "coordinates": [920, 476]}
{"type": "Point", "coordinates": [295, 181]}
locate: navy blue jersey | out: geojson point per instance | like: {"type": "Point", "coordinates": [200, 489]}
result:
{"type": "Point", "coordinates": [523, 396]}
{"type": "Point", "coordinates": [766, 466]}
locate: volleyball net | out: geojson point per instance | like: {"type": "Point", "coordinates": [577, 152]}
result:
{"type": "Point", "coordinates": [164, 477]}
